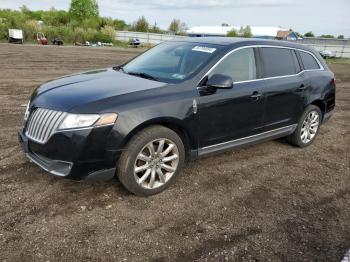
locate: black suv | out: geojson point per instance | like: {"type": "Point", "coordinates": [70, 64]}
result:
{"type": "Point", "coordinates": [179, 100]}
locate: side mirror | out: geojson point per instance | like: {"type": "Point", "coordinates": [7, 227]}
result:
{"type": "Point", "coordinates": [219, 81]}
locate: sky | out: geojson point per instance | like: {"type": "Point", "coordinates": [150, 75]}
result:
{"type": "Point", "coordinates": [320, 17]}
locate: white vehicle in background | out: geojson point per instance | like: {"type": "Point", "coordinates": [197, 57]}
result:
{"type": "Point", "coordinates": [327, 53]}
{"type": "Point", "coordinates": [15, 36]}
{"type": "Point", "coordinates": [135, 42]}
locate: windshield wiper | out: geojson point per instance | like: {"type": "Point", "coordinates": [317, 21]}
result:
{"type": "Point", "coordinates": [143, 75]}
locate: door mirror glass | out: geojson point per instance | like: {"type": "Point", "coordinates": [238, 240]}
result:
{"type": "Point", "coordinates": [218, 81]}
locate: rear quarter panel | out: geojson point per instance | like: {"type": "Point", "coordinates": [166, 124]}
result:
{"type": "Point", "coordinates": [320, 88]}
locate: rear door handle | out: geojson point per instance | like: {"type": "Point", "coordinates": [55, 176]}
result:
{"type": "Point", "coordinates": [301, 88]}
{"type": "Point", "coordinates": [256, 95]}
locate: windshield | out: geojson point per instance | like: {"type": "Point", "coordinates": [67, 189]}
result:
{"type": "Point", "coordinates": [171, 62]}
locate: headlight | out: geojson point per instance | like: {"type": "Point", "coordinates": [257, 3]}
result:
{"type": "Point", "coordinates": [26, 114]}
{"type": "Point", "coordinates": [87, 120]}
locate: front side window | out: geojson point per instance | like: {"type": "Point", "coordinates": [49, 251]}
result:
{"type": "Point", "coordinates": [309, 61]}
{"type": "Point", "coordinates": [279, 61]}
{"type": "Point", "coordinates": [172, 62]}
{"type": "Point", "coordinates": [239, 65]}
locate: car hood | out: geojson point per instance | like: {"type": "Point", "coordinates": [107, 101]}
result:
{"type": "Point", "coordinates": [72, 91]}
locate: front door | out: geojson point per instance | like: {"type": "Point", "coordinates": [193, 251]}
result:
{"type": "Point", "coordinates": [226, 115]}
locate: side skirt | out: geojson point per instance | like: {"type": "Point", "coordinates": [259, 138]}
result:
{"type": "Point", "coordinates": [249, 140]}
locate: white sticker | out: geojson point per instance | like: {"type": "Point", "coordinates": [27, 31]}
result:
{"type": "Point", "coordinates": [178, 76]}
{"type": "Point", "coordinates": [204, 49]}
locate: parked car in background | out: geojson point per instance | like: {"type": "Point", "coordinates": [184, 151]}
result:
{"type": "Point", "coordinates": [327, 54]}
{"type": "Point", "coordinates": [15, 36]}
{"type": "Point", "coordinates": [179, 100]}
{"type": "Point", "coordinates": [57, 41]}
{"type": "Point", "coordinates": [135, 42]}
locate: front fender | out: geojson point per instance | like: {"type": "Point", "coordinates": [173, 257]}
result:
{"type": "Point", "coordinates": [178, 114]}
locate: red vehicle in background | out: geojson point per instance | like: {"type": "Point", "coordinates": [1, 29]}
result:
{"type": "Point", "coordinates": [42, 40]}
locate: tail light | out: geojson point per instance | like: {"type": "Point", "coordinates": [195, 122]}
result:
{"type": "Point", "coordinates": [334, 82]}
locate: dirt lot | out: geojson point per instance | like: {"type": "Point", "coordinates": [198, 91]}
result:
{"type": "Point", "coordinates": [265, 202]}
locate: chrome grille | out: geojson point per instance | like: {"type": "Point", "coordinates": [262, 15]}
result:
{"type": "Point", "coordinates": [42, 124]}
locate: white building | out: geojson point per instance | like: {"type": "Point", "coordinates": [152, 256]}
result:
{"type": "Point", "coordinates": [257, 31]}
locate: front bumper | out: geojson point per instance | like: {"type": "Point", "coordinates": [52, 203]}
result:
{"type": "Point", "coordinates": [55, 167]}
{"type": "Point", "coordinates": [79, 154]}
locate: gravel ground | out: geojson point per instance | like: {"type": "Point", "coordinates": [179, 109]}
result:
{"type": "Point", "coordinates": [265, 202]}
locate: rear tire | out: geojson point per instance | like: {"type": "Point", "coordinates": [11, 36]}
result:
{"type": "Point", "coordinates": [151, 161]}
{"type": "Point", "coordinates": [308, 127]}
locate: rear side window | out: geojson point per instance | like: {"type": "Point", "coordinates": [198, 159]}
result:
{"type": "Point", "coordinates": [239, 65]}
{"type": "Point", "coordinates": [309, 61]}
{"type": "Point", "coordinates": [279, 61]}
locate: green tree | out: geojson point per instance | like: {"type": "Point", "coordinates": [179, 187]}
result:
{"type": "Point", "coordinates": [116, 23]}
{"type": "Point", "coordinates": [30, 28]}
{"type": "Point", "coordinates": [177, 27]}
{"type": "Point", "coordinates": [59, 23]}
{"type": "Point", "coordinates": [232, 33]}
{"type": "Point", "coordinates": [155, 29]}
{"type": "Point", "coordinates": [141, 25]}
{"type": "Point", "coordinates": [55, 17]}
{"type": "Point", "coordinates": [298, 34]}
{"type": "Point", "coordinates": [327, 36]}
{"type": "Point", "coordinates": [247, 32]}
{"type": "Point", "coordinates": [119, 24]}
{"type": "Point", "coordinates": [93, 22]}
{"type": "Point", "coordinates": [309, 34]}
{"type": "Point", "coordinates": [107, 34]}
{"type": "Point", "coordinates": [340, 37]}
{"type": "Point", "coordinates": [84, 9]}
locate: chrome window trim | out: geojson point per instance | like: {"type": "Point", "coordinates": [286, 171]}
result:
{"type": "Point", "coordinates": [265, 78]}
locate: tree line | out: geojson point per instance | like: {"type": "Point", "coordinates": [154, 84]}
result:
{"type": "Point", "coordinates": [243, 32]}
{"type": "Point", "coordinates": [82, 22]}
{"type": "Point", "coordinates": [311, 34]}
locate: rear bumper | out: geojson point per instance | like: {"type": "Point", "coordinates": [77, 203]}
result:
{"type": "Point", "coordinates": [79, 155]}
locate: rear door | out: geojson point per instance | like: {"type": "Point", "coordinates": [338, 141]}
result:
{"type": "Point", "coordinates": [283, 87]}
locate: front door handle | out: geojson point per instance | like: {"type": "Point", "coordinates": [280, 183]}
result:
{"type": "Point", "coordinates": [256, 96]}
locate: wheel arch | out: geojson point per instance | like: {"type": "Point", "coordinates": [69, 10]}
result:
{"type": "Point", "coordinates": [171, 123]}
{"type": "Point", "coordinates": [320, 104]}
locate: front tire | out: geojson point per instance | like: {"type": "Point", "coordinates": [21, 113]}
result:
{"type": "Point", "coordinates": [308, 127]}
{"type": "Point", "coordinates": [151, 161]}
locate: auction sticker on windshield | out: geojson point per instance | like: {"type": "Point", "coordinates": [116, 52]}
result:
{"type": "Point", "coordinates": [178, 76]}
{"type": "Point", "coordinates": [204, 49]}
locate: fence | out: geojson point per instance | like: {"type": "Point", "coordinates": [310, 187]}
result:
{"type": "Point", "coordinates": [149, 38]}
{"type": "Point", "coordinates": [340, 47]}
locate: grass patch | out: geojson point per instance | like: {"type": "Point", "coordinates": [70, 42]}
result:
{"type": "Point", "coordinates": [337, 60]}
